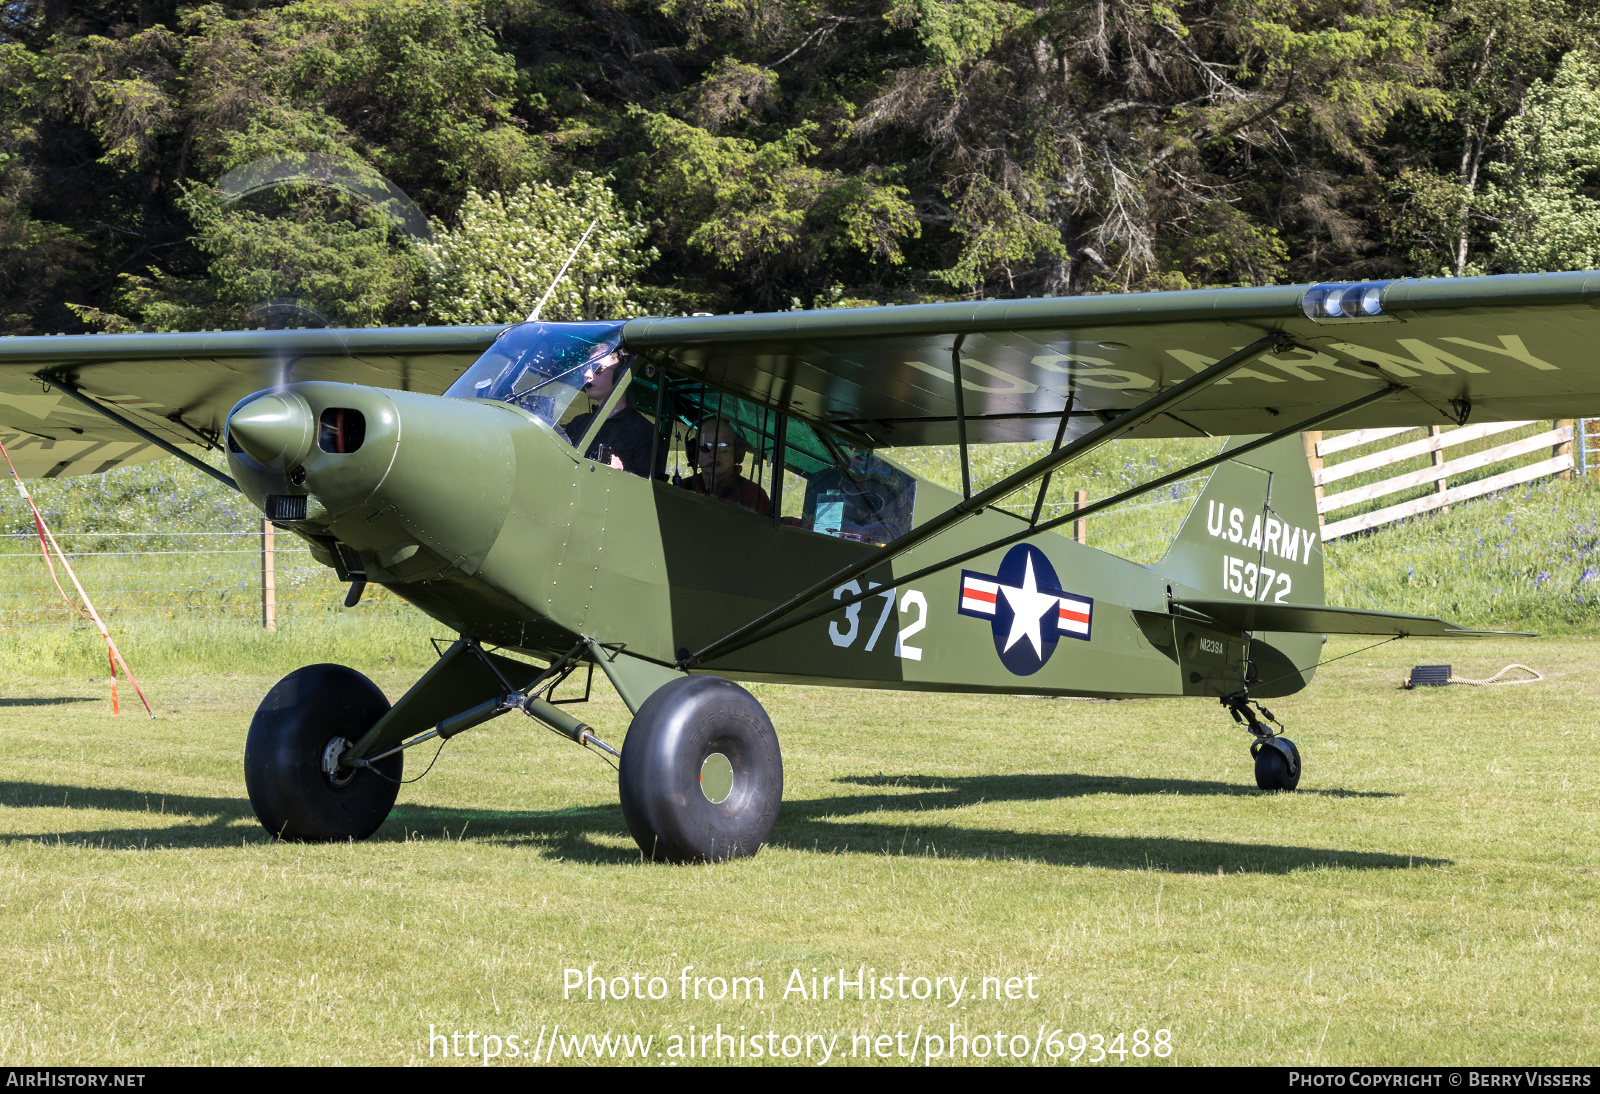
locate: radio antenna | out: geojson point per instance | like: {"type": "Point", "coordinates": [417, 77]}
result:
{"type": "Point", "coordinates": [537, 308]}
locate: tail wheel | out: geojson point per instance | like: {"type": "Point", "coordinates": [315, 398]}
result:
{"type": "Point", "coordinates": [1277, 763]}
{"type": "Point", "coordinates": [291, 757]}
{"type": "Point", "coordinates": [701, 776]}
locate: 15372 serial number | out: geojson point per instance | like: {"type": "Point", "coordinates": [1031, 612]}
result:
{"type": "Point", "coordinates": [1257, 582]}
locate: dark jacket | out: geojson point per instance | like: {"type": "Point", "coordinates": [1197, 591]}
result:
{"type": "Point", "coordinates": [628, 435]}
{"type": "Point", "coordinates": [740, 491]}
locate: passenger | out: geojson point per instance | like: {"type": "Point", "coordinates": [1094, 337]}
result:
{"type": "Point", "coordinates": [626, 439]}
{"type": "Point", "coordinates": [721, 452]}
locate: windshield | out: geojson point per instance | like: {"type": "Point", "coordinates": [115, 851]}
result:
{"type": "Point", "coordinates": [538, 366]}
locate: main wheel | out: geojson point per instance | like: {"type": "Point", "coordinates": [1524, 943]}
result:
{"type": "Point", "coordinates": [301, 727]}
{"type": "Point", "coordinates": [1277, 763]}
{"type": "Point", "coordinates": [701, 777]}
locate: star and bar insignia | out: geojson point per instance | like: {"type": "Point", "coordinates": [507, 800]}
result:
{"type": "Point", "coordinates": [1026, 607]}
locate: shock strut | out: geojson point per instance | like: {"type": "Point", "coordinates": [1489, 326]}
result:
{"type": "Point", "coordinates": [1240, 705]}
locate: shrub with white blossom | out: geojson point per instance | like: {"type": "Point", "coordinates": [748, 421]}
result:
{"type": "Point", "coordinates": [496, 265]}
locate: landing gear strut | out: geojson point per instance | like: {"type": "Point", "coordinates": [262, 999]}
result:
{"type": "Point", "coordinates": [1277, 759]}
{"type": "Point", "coordinates": [700, 774]}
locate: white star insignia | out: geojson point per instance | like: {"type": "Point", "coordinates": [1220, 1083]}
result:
{"type": "Point", "coordinates": [1028, 609]}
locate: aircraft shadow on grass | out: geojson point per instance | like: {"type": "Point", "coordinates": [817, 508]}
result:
{"type": "Point", "coordinates": [597, 834]}
{"type": "Point", "coordinates": [49, 700]}
{"type": "Point", "coordinates": [47, 796]}
{"type": "Point", "coordinates": [954, 791]}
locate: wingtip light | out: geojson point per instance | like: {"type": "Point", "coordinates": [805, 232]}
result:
{"type": "Point", "coordinates": [1345, 300]}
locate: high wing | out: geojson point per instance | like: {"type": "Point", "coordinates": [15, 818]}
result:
{"type": "Point", "coordinates": [1479, 349]}
{"type": "Point", "coordinates": [1248, 615]}
{"type": "Point", "coordinates": [1501, 348]}
{"type": "Point", "coordinates": [180, 387]}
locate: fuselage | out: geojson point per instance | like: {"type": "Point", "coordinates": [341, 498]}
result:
{"type": "Point", "coordinates": [489, 520]}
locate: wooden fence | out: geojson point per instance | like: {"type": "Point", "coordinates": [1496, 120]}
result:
{"type": "Point", "coordinates": [1557, 442]}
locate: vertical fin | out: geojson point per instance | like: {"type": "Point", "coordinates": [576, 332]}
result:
{"type": "Point", "coordinates": [1260, 510]}
{"type": "Point", "coordinates": [1253, 534]}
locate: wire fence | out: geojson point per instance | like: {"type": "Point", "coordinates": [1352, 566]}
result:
{"type": "Point", "coordinates": [158, 577]}
{"type": "Point", "coordinates": [162, 577]}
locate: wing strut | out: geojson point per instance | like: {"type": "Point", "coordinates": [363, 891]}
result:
{"type": "Point", "coordinates": [727, 645]}
{"type": "Point", "coordinates": [961, 417]}
{"type": "Point", "coordinates": [1124, 423]}
{"type": "Point", "coordinates": [1061, 432]}
{"type": "Point", "coordinates": [167, 446]}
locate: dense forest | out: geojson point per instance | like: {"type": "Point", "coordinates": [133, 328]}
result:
{"type": "Point", "coordinates": [431, 161]}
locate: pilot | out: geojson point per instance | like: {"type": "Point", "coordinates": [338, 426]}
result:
{"type": "Point", "coordinates": [721, 452]}
{"type": "Point", "coordinates": [626, 439]}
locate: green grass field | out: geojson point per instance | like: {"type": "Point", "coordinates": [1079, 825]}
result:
{"type": "Point", "coordinates": [1427, 896]}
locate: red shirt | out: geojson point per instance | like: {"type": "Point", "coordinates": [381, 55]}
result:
{"type": "Point", "coordinates": [738, 490]}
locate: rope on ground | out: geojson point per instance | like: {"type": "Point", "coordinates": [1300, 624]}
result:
{"type": "Point", "coordinates": [1495, 679]}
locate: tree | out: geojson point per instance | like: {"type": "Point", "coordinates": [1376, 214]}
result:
{"type": "Point", "coordinates": [1487, 54]}
{"type": "Point", "coordinates": [1552, 154]}
{"type": "Point", "coordinates": [40, 260]}
{"type": "Point", "coordinates": [765, 212]}
{"type": "Point", "coordinates": [506, 252]}
{"type": "Point", "coordinates": [811, 150]}
{"type": "Point", "coordinates": [132, 111]}
{"type": "Point", "coordinates": [293, 256]}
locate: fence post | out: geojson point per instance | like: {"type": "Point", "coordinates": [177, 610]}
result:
{"type": "Point", "coordinates": [1080, 527]}
{"type": "Point", "coordinates": [1565, 447]}
{"type": "Point", "coordinates": [1311, 438]}
{"type": "Point", "coordinates": [1439, 485]}
{"type": "Point", "coordinates": [269, 577]}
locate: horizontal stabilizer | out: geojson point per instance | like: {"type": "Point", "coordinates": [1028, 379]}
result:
{"type": "Point", "coordinates": [1247, 615]}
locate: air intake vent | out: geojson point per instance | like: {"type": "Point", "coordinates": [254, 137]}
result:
{"type": "Point", "coordinates": [286, 507]}
{"type": "Point", "coordinates": [350, 566]}
{"type": "Point", "coordinates": [341, 430]}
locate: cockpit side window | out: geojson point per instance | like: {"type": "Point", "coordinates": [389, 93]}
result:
{"type": "Point", "coordinates": [783, 466]}
{"type": "Point", "coordinates": [713, 443]}
{"type": "Point", "coordinates": [862, 497]}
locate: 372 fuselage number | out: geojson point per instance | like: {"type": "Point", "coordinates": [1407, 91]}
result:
{"type": "Point", "coordinates": [911, 598]}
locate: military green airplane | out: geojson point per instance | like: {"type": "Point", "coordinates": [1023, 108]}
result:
{"type": "Point", "coordinates": [463, 469]}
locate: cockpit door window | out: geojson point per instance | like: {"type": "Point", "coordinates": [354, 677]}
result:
{"type": "Point", "coordinates": [819, 483]}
